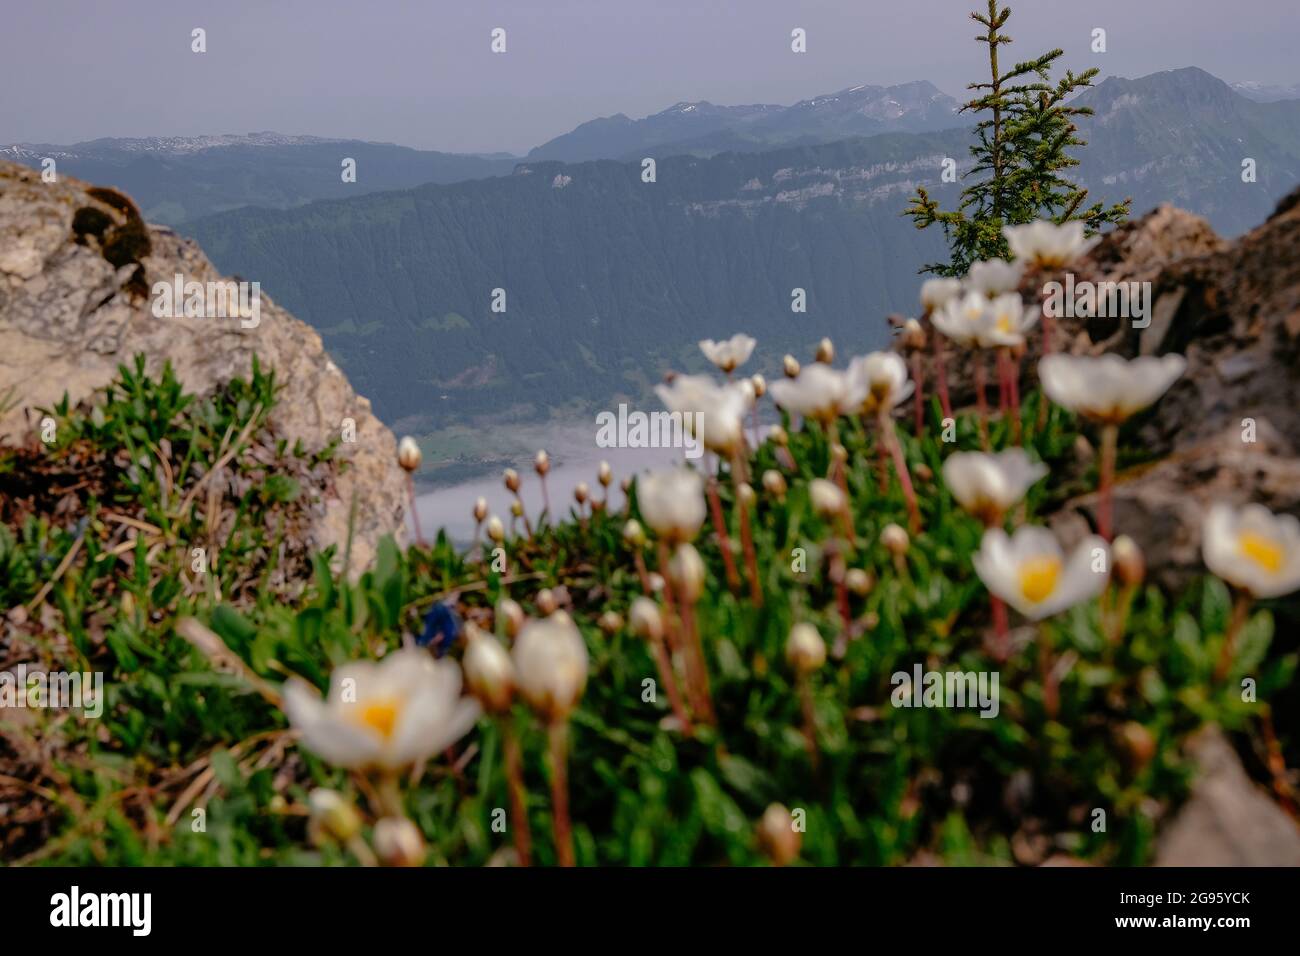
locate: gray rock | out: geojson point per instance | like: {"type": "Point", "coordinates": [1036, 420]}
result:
{"type": "Point", "coordinates": [1228, 821]}
{"type": "Point", "coordinates": [68, 318]}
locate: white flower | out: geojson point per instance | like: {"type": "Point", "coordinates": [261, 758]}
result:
{"type": "Point", "coordinates": [1108, 388]}
{"type": "Point", "coordinates": [720, 409]}
{"type": "Point", "coordinates": [937, 293]}
{"type": "Point", "coordinates": [883, 378]}
{"type": "Point", "coordinates": [1253, 549]}
{"type": "Point", "coordinates": [961, 318]}
{"type": "Point", "coordinates": [1005, 322]}
{"type": "Point", "coordinates": [550, 660]}
{"type": "Point", "coordinates": [819, 392]}
{"type": "Point", "coordinates": [385, 715]}
{"type": "Point", "coordinates": [730, 353]}
{"type": "Point", "coordinates": [988, 485]}
{"type": "Point", "coordinates": [672, 502]}
{"type": "Point", "coordinates": [1045, 243]}
{"type": "Point", "coordinates": [994, 277]}
{"type": "Point", "coordinates": [1031, 573]}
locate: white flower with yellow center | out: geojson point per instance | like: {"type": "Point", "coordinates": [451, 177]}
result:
{"type": "Point", "coordinates": [994, 277]}
{"type": "Point", "coordinates": [1032, 574]}
{"type": "Point", "coordinates": [1253, 549]}
{"type": "Point", "coordinates": [386, 715]}
{"type": "Point", "coordinates": [988, 485]}
{"type": "Point", "coordinates": [819, 392]}
{"type": "Point", "coordinates": [882, 378]}
{"type": "Point", "coordinates": [937, 293]}
{"type": "Point", "coordinates": [1046, 244]}
{"type": "Point", "coordinates": [718, 408]}
{"type": "Point", "coordinates": [730, 353]}
{"type": "Point", "coordinates": [1108, 388]}
{"type": "Point", "coordinates": [672, 502]}
{"type": "Point", "coordinates": [1006, 320]}
{"type": "Point", "coordinates": [961, 318]}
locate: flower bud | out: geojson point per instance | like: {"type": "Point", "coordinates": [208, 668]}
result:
{"type": "Point", "coordinates": [611, 622]}
{"type": "Point", "coordinates": [626, 485]}
{"type": "Point", "coordinates": [745, 494]}
{"type": "Point", "coordinates": [509, 616]}
{"type": "Point", "coordinates": [647, 622]}
{"type": "Point", "coordinates": [542, 463]}
{"type": "Point", "coordinates": [913, 335]}
{"type": "Point", "coordinates": [805, 651]}
{"type": "Point", "coordinates": [760, 385]}
{"type": "Point", "coordinates": [859, 582]}
{"type": "Point", "coordinates": [774, 484]}
{"type": "Point", "coordinates": [827, 498]}
{"type": "Point", "coordinates": [604, 474]}
{"type": "Point", "coordinates": [634, 534]}
{"type": "Point", "coordinates": [332, 816]}
{"type": "Point", "coordinates": [778, 436]}
{"type": "Point", "coordinates": [580, 492]}
{"type": "Point", "coordinates": [825, 351]}
{"type": "Point", "coordinates": [790, 365]}
{"type": "Point", "coordinates": [923, 472]}
{"type": "Point", "coordinates": [511, 479]}
{"type": "Point", "coordinates": [517, 508]}
{"type": "Point", "coordinates": [398, 842]}
{"type": "Point", "coordinates": [839, 454]}
{"type": "Point", "coordinates": [656, 581]}
{"type": "Point", "coordinates": [686, 571]}
{"type": "Point", "coordinates": [489, 672]}
{"type": "Point", "coordinates": [895, 540]}
{"type": "Point", "coordinates": [480, 509]}
{"type": "Point", "coordinates": [1139, 744]}
{"type": "Point", "coordinates": [546, 603]}
{"type": "Point", "coordinates": [408, 454]}
{"type": "Point", "coordinates": [1130, 565]}
{"type": "Point", "coordinates": [496, 530]}
{"type": "Point", "coordinates": [777, 836]}
{"type": "Point", "coordinates": [551, 666]}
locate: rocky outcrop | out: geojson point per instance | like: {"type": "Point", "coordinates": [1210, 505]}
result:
{"type": "Point", "coordinates": [1230, 429]}
{"type": "Point", "coordinates": [77, 266]}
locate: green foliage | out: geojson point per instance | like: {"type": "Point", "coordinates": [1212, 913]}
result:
{"type": "Point", "coordinates": [1021, 156]}
{"type": "Point", "coordinates": [890, 784]}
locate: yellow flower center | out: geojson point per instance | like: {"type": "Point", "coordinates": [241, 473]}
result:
{"type": "Point", "coordinates": [381, 716]}
{"type": "Point", "coordinates": [1038, 578]}
{"type": "Point", "coordinates": [1263, 550]}
{"type": "Point", "coordinates": [1004, 323]}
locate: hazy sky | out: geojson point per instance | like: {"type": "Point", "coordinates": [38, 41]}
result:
{"type": "Point", "coordinates": [421, 72]}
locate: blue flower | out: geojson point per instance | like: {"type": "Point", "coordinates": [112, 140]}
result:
{"type": "Point", "coordinates": [441, 629]}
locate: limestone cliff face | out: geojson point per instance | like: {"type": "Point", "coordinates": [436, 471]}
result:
{"type": "Point", "coordinates": [76, 270]}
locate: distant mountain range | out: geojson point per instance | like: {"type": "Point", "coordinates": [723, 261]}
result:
{"type": "Point", "coordinates": [703, 129]}
{"type": "Point", "coordinates": [176, 179]}
{"type": "Point", "coordinates": [610, 280]}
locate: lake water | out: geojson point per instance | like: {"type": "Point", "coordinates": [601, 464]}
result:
{"type": "Point", "coordinates": [574, 457]}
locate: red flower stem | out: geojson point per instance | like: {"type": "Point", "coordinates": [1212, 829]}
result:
{"type": "Point", "coordinates": [724, 540]}
{"type": "Point", "coordinates": [1240, 612]}
{"type": "Point", "coordinates": [1109, 439]}
{"type": "Point", "coordinates": [1004, 398]}
{"type": "Point", "coordinates": [941, 371]}
{"type": "Point", "coordinates": [889, 433]}
{"type": "Point", "coordinates": [415, 512]}
{"type": "Point", "coordinates": [751, 559]}
{"type": "Point", "coordinates": [665, 664]}
{"type": "Point", "coordinates": [558, 733]}
{"type": "Point", "coordinates": [518, 795]}
{"type": "Point", "coordinates": [1002, 650]}
{"type": "Point", "coordinates": [980, 402]}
